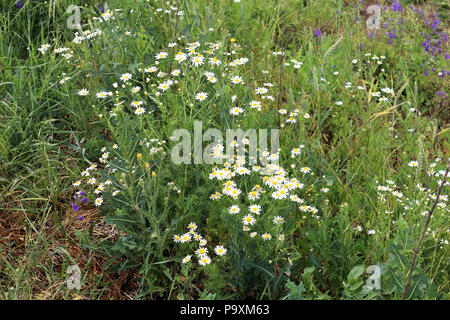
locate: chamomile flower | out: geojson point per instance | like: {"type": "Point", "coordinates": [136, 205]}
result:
{"type": "Point", "coordinates": [161, 55]}
{"type": "Point", "coordinates": [256, 168]}
{"type": "Point", "coordinates": [62, 81]}
{"type": "Point", "coordinates": [151, 69]}
{"type": "Point", "coordinates": [186, 237]}
{"type": "Point", "coordinates": [266, 236]}
{"type": "Point", "coordinates": [197, 237]}
{"type": "Point", "coordinates": [220, 250]}
{"type": "Point", "coordinates": [254, 208]}
{"type": "Point", "coordinates": [192, 226]}
{"type": "Point", "coordinates": [236, 80]}
{"type": "Point", "coordinates": [234, 209]}
{"type": "Point", "coordinates": [212, 79]}
{"type": "Point", "coordinates": [304, 208]}
{"type": "Point", "coordinates": [61, 50]}
{"type": "Point", "coordinates": [291, 120]}
{"type": "Point", "coordinates": [180, 57]}
{"type": "Point", "coordinates": [214, 61]}
{"type": "Point", "coordinates": [43, 48]}
{"type": "Point", "coordinates": [99, 188]}
{"type": "Point", "coordinates": [135, 89]}
{"type": "Point", "coordinates": [295, 152]}
{"type": "Point", "coordinates": [186, 259]}
{"type": "Point", "coordinates": [248, 219]}
{"type": "Point", "coordinates": [201, 96]}
{"type": "Point", "coordinates": [253, 195]}
{"type": "Point", "coordinates": [202, 251]}
{"type": "Point", "coordinates": [413, 164]}
{"type": "Point", "coordinates": [139, 111]}
{"type": "Point", "coordinates": [83, 92]}
{"type": "Point", "coordinates": [255, 105]}
{"type": "Point", "coordinates": [278, 220]}
{"type": "Point", "coordinates": [236, 111]}
{"type": "Point", "coordinates": [242, 171]}
{"type": "Point", "coordinates": [136, 103]}
{"type": "Point", "coordinates": [296, 198]}
{"type": "Point", "coordinates": [397, 194]}
{"type": "Point", "coordinates": [126, 76]}
{"type": "Point", "coordinates": [261, 90]}
{"type": "Point", "coordinates": [98, 201]}
{"type": "Point", "coordinates": [76, 183]}
{"type": "Point", "coordinates": [198, 60]}
{"type": "Point", "coordinates": [204, 261]}
{"type": "Point", "coordinates": [164, 86]}
{"type": "Point", "coordinates": [305, 169]}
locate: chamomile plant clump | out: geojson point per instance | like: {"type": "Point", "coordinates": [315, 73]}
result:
{"type": "Point", "coordinates": [252, 149]}
{"type": "Point", "coordinates": [260, 213]}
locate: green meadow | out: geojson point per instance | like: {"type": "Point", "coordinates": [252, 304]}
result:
{"type": "Point", "coordinates": [225, 149]}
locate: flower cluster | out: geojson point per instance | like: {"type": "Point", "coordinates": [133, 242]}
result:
{"type": "Point", "coordinates": [202, 251]}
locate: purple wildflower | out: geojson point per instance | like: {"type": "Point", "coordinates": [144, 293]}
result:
{"type": "Point", "coordinates": [317, 33]}
{"type": "Point", "coordinates": [396, 6]}
{"type": "Point", "coordinates": [76, 203]}
{"type": "Point", "coordinates": [100, 7]}
{"type": "Point", "coordinates": [392, 36]}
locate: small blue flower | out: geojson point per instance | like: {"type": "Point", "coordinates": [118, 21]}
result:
{"type": "Point", "coordinates": [100, 7]}
{"type": "Point", "coordinates": [317, 33]}
{"type": "Point", "coordinates": [397, 6]}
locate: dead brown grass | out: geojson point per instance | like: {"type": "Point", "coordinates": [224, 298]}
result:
{"type": "Point", "coordinates": [18, 247]}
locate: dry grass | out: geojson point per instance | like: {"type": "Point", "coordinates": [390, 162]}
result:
{"type": "Point", "coordinates": [23, 248]}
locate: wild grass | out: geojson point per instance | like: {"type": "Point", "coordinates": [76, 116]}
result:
{"type": "Point", "coordinates": [353, 144]}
